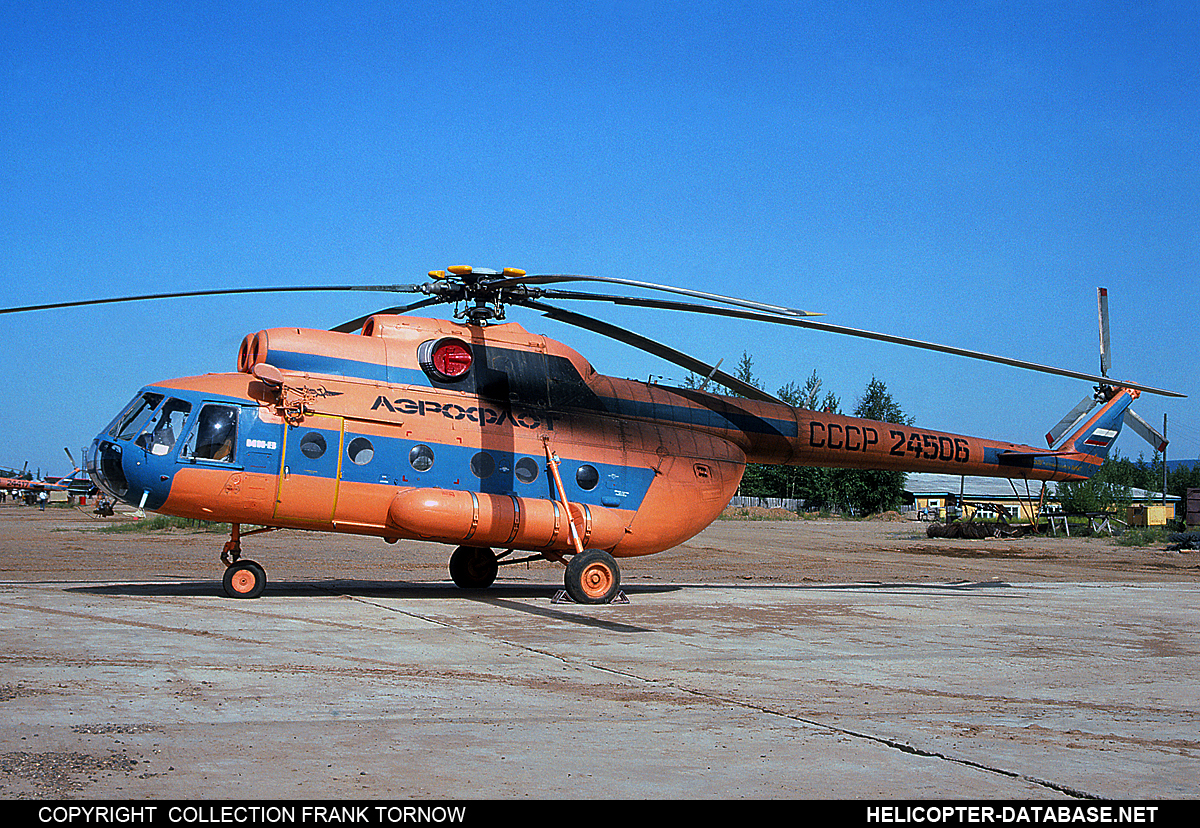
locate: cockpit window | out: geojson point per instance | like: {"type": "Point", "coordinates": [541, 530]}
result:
{"type": "Point", "coordinates": [214, 436]}
{"type": "Point", "coordinates": [131, 421]}
{"type": "Point", "coordinates": [165, 426]}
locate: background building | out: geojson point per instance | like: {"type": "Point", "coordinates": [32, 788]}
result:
{"type": "Point", "coordinates": [932, 493]}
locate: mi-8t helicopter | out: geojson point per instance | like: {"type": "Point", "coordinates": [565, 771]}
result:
{"type": "Point", "coordinates": [485, 436]}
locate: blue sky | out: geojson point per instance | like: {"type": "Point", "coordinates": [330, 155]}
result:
{"type": "Point", "coordinates": [963, 172]}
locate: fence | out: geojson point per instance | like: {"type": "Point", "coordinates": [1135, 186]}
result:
{"type": "Point", "coordinates": [792, 504]}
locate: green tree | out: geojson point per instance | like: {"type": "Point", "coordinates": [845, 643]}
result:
{"type": "Point", "coordinates": [1122, 471]}
{"type": "Point", "coordinates": [809, 395]}
{"type": "Point", "coordinates": [867, 491]}
{"type": "Point", "coordinates": [745, 371]}
{"type": "Point", "coordinates": [877, 404]}
{"type": "Point", "coordinates": [1093, 495]}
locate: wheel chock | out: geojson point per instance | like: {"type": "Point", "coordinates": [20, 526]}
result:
{"type": "Point", "coordinates": [561, 597]}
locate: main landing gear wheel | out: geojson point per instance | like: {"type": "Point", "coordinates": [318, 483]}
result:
{"type": "Point", "coordinates": [244, 579]}
{"type": "Point", "coordinates": [593, 577]}
{"type": "Point", "coordinates": [473, 567]}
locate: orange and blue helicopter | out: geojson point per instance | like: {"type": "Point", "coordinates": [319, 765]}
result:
{"type": "Point", "coordinates": [480, 434]}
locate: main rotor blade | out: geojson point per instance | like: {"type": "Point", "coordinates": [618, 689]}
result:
{"type": "Point", "coordinates": [219, 292]}
{"type": "Point", "coordinates": [665, 352]}
{"type": "Point", "coordinates": [858, 332]}
{"type": "Point", "coordinates": [356, 324]}
{"type": "Point", "coordinates": [643, 302]}
{"type": "Point", "coordinates": [964, 352]}
{"type": "Point", "coordinates": [695, 294]}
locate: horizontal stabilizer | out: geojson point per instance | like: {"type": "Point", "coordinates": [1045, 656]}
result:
{"type": "Point", "coordinates": [1017, 456]}
{"type": "Point", "coordinates": [1145, 431]}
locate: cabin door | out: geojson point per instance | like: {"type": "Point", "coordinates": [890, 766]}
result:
{"type": "Point", "coordinates": [311, 470]}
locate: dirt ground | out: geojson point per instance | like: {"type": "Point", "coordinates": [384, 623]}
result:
{"type": "Point", "coordinates": [761, 659]}
{"type": "Point", "coordinates": [64, 543]}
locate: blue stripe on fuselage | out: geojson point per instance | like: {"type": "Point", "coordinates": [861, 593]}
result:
{"type": "Point", "coordinates": [617, 487]}
{"type": "Point", "coordinates": [389, 465]}
{"type": "Point", "coordinates": [339, 367]}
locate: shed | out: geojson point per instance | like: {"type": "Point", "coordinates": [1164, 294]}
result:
{"type": "Point", "coordinates": [932, 493]}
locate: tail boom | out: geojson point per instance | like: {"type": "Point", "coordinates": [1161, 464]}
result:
{"type": "Point", "coordinates": [838, 441]}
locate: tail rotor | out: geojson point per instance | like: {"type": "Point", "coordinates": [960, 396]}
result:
{"type": "Point", "coordinates": [1104, 392]}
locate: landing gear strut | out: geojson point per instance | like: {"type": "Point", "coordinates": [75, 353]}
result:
{"type": "Point", "coordinates": [243, 578]}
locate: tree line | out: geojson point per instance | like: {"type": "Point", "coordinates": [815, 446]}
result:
{"type": "Point", "coordinates": [854, 491]}
{"type": "Point", "coordinates": [1110, 489]}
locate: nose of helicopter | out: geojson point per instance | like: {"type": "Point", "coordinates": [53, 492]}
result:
{"type": "Point", "coordinates": [104, 466]}
{"type": "Point", "coordinates": [125, 472]}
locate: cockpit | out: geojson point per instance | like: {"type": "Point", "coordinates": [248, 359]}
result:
{"type": "Point", "coordinates": [155, 431]}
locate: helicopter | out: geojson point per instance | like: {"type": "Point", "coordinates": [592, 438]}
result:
{"type": "Point", "coordinates": [476, 433]}
{"type": "Point", "coordinates": [30, 486]}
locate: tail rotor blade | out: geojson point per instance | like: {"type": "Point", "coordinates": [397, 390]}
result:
{"type": "Point", "coordinates": [1146, 431]}
{"type": "Point", "coordinates": [1105, 352]}
{"type": "Point", "coordinates": [1072, 417]}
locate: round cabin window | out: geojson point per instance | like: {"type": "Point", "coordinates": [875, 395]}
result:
{"type": "Point", "coordinates": [587, 477]}
{"type": "Point", "coordinates": [482, 465]}
{"type": "Point", "coordinates": [421, 458]}
{"type": "Point", "coordinates": [527, 470]}
{"type": "Point", "coordinates": [360, 451]}
{"type": "Point", "coordinates": [312, 445]}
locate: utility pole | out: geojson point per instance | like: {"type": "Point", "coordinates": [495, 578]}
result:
{"type": "Point", "coordinates": [1164, 465]}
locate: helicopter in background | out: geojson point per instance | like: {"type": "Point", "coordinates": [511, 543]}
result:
{"type": "Point", "coordinates": [482, 435]}
{"type": "Point", "coordinates": [30, 487]}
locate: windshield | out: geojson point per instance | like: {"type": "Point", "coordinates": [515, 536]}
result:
{"type": "Point", "coordinates": [160, 434]}
{"type": "Point", "coordinates": [131, 421]}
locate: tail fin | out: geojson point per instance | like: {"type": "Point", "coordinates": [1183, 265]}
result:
{"type": "Point", "coordinates": [1099, 430]}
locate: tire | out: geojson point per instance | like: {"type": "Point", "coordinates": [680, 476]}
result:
{"type": "Point", "coordinates": [593, 578]}
{"type": "Point", "coordinates": [473, 567]}
{"type": "Point", "coordinates": [244, 579]}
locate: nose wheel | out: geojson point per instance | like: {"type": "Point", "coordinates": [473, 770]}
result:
{"type": "Point", "coordinates": [244, 579]}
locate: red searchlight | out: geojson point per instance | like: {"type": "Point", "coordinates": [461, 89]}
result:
{"type": "Point", "coordinates": [445, 359]}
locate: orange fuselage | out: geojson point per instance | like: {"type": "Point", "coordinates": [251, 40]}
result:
{"type": "Point", "coordinates": [423, 428]}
